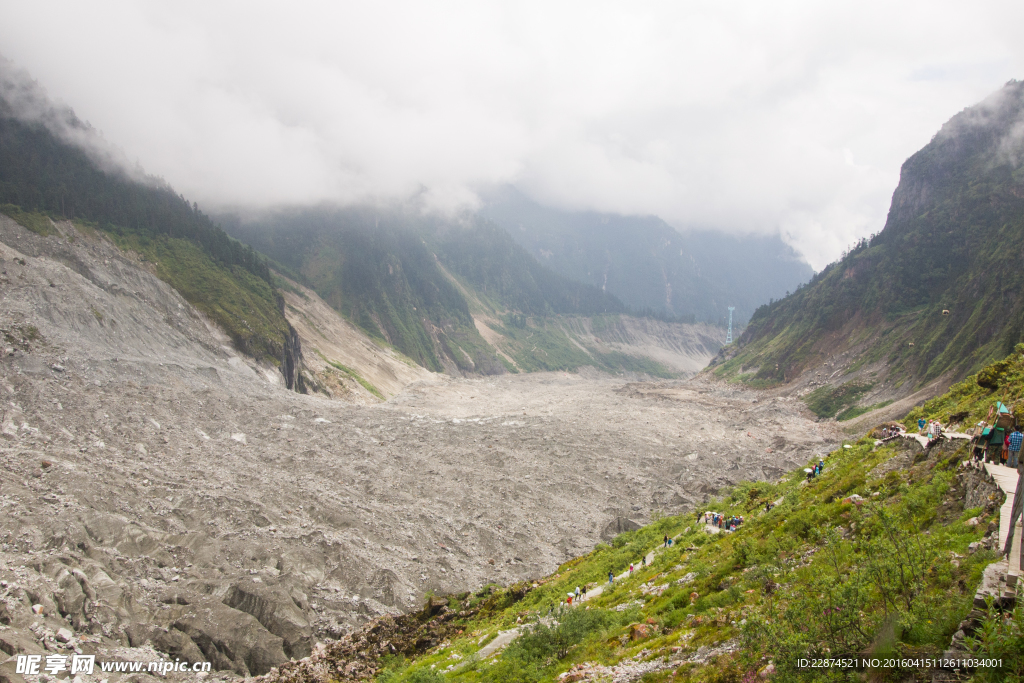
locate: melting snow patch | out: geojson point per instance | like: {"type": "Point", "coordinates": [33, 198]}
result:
{"type": "Point", "coordinates": [239, 437]}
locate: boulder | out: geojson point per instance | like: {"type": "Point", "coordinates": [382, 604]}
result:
{"type": "Point", "coordinates": [641, 631]}
{"type": "Point", "coordinates": [275, 609]}
{"type": "Point", "coordinates": [231, 639]}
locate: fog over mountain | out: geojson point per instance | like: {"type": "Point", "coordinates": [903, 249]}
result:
{"type": "Point", "coordinates": [742, 118]}
{"type": "Point", "coordinates": [649, 266]}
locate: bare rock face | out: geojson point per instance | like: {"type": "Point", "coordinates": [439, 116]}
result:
{"type": "Point", "coordinates": [617, 526]}
{"type": "Point", "coordinates": [275, 609]}
{"type": "Point", "coordinates": [16, 641]}
{"type": "Point", "coordinates": [231, 639]}
{"type": "Point", "coordinates": [177, 645]}
{"type": "Point", "coordinates": [158, 488]}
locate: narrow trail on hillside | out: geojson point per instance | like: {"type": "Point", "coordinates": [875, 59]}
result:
{"type": "Point", "coordinates": [505, 637]}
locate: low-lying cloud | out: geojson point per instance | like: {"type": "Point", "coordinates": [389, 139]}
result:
{"type": "Point", "coordinates": [744, 117]}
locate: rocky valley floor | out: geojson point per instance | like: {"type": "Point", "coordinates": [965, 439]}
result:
{"type": "Point", "coordinates": [156, 488]}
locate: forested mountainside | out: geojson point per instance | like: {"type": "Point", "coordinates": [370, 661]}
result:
{"type": "Point", "coordinates": [648, 264]}
{"type": "Point", "coordinates": [405, 277]}
{"type": "Point", "coordinates": [939, 290]}
{"type": "Point", "coordinates": [46, 172]}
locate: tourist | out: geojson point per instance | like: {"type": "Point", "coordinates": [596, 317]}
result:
{"type": "Point", "coordinates": [995, 446]}
{"type": "Point", "coordinates": [1014, 441]}
{"type": "Point", "coordinates": [666, 536]}
{"type": "Point", "coordinates": [611, 577]}
{"type": "Point", "coordinates": [631, 569]}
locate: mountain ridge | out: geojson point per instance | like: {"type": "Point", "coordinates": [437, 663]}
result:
{"type": "Point", "coordinates": [652, 267]}
{"type": "Point", "coordinates": [935, 293]}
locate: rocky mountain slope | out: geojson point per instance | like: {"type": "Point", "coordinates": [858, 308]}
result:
{"type": "Point", "coordinates": [932, 297]}
{"type": "Point", "coordinates": [416, 280]}
{"type": "Point", "coordinates": [339, 359]}
{"type": "Point", "coordinates": [373, 264]}
{"type": "Point", "coordinates": [160, 490]}
{"type": "Point", "coordinates": [53, 163]}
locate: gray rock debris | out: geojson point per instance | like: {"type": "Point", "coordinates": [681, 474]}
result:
{"type": "Point", "coordinates": [155, 524]}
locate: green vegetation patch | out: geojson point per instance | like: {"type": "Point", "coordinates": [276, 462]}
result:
{"type": "Point", "coordinates": [354, 375]}
{"type": "Point", "coordinates": [544, 344]}
{"type": "Point", "coordinates": [245, 306]}
{"type": "Point", "coordinates": [857, 411]}
{"type": "Point", "coordinates": [828, 401]}
{"type": "Point", "coordinates": [36, 222]}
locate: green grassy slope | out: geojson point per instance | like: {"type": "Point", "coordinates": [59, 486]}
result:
{"type": "Point", "coordinates": [819, 574]}
{"type": "Point", "coordinates": [949, 244]}
{"type": "Point", "coordinates": [42, 175]}
{"type": "Point", "coordinates": [545, 343]}
{"type": "Point", "coordinates": [372, 267]}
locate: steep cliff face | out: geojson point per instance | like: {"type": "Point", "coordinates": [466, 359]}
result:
{"type": "Point", "coordinates": [937, 293]}
{"type": "Point", "coordinates": [291, 362]}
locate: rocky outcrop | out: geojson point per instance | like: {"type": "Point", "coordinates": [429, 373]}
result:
{"type": "Point", "coordinates": [291, 362]}
{"type": "Point", "coordinates": [231, 639]}
{"type": "Point", "coordinates": [617, 526]}
{"type": "Point", "coordinates": [980, 489]}
{"type": "Point", "coordinates": [275, 609]}
{"type": "Point", "coordinates": [356, 656]}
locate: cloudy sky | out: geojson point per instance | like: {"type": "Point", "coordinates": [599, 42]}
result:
{"type": "Point", "coordinates": [788, 117]}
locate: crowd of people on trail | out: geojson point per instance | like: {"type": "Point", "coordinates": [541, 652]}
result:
{"type": "Point", "coordinates": [812, 472]}
{"type": "Point", "coordinates": [1000, 442]}
{"type": "Point", "coordinates": [891, 432]}
{"type": "Point", "coordinates": [932, 429]}
{"type": "Point", "coordinates": [576, 596]}
{"type": "Point", "coordinates": [716, 519]}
